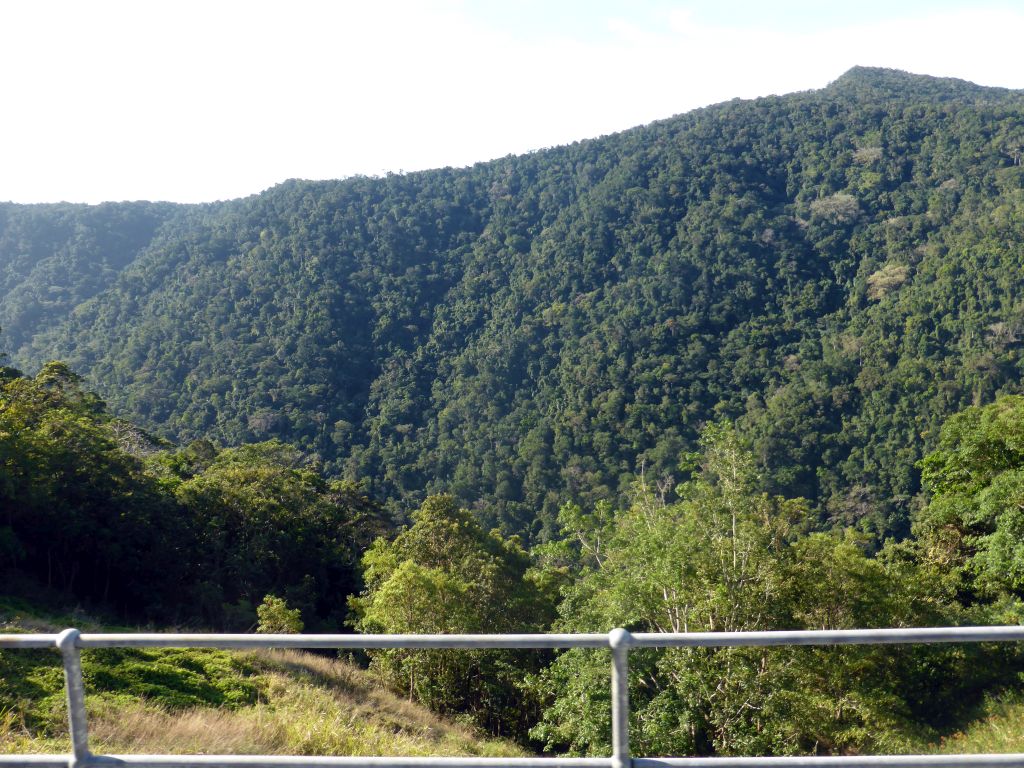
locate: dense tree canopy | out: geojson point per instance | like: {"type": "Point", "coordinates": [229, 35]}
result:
{"type": "Point", "coordinates": [98, 511]}
{"type": "Point", "coordinates": [972, 528]}
{"type": "Point", "coordinates": [837, 271]}
{"type": "Point", "coordinates": [196, 534]}
{"type": "Point", "coordinates": [727, 557]}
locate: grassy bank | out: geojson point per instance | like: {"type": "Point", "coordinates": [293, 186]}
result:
{"type": "Point", "coordinates": [198, 701]}
{"type": "Point", "coordinates": [998, 728]}
{"type": "Point", "coordinates": [217, 702]}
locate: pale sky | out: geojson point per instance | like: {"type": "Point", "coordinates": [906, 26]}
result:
{"type": "Point", "coordinates": [202, 100]}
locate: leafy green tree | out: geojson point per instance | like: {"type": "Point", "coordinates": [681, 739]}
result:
{"type": "Point", "coordinates": [265, 524]}
{"type": "Point", "coordinates": [727, 557]}
{"type": "Point", "coordinates": [444, 574]}
{"type": "Point", "coordinates": [78, 513]}
{"type": "Point", "coordinates": [275, 617]}
{"type": "Point", "coordinates": [972, 528]}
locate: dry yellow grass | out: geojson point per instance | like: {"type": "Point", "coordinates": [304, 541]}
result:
{"type": "Point", "coordinates": [309, 705]}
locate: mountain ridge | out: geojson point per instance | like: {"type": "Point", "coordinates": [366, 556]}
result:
{"type": "Point", "coordinates": [900, 81]}
{"type": "Point", "coordinates": [543, 327]}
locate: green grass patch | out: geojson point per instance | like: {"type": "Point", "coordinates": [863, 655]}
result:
{"type": "Point", "coordinates": [997, 728]}
{"type": "Point", "coordinates": [32, 690]}
{"type": "Point", "coordinates": [191, 701]}
{"type": "Point", "coordinates": [32, 681]}
{"type": "Point", "coordinates": [173, 678]}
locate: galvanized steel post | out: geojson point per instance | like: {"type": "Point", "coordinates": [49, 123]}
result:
{"type": "Point", "coordinates": [620, 640]}
{"type": "Point", "coordinates": [67, 643]}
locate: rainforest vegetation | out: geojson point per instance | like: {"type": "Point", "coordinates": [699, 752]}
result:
{"type": "Point", "coordinates": [97, 511]}
{"type": "Point", "coordinates": [836, 271]}
{"type": "Point", "coordinates": [754, 367]}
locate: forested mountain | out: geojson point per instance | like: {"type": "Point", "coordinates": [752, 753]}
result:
{"type": "Point", "coordinates": [54, 257]}
{"type": "Point", "coordinates": [836, 270]}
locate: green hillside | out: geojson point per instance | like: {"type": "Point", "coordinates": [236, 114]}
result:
{"type": "Point", "coordinates": [54, 257]}
{"type": "Point", "coordinates": [836, 270]}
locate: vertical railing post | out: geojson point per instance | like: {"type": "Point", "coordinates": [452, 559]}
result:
{"type": "Point", "coordinates": [67, 643]}
{"type": "Point", "coordinates": [619, 640]}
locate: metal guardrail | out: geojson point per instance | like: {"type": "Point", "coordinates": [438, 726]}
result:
{"type": "Point", "coordinates": [70, 643]}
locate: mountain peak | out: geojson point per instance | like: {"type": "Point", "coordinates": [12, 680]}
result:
{"type": "Point", "coordinates": [896, 82]}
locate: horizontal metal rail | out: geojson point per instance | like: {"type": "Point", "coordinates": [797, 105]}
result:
{"type": "Point", "coordinates": [70, 643]}
{"type": "Point", "coordinates": [160, 640]}
{"type": "Point", "coordinates": [910, 635]}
